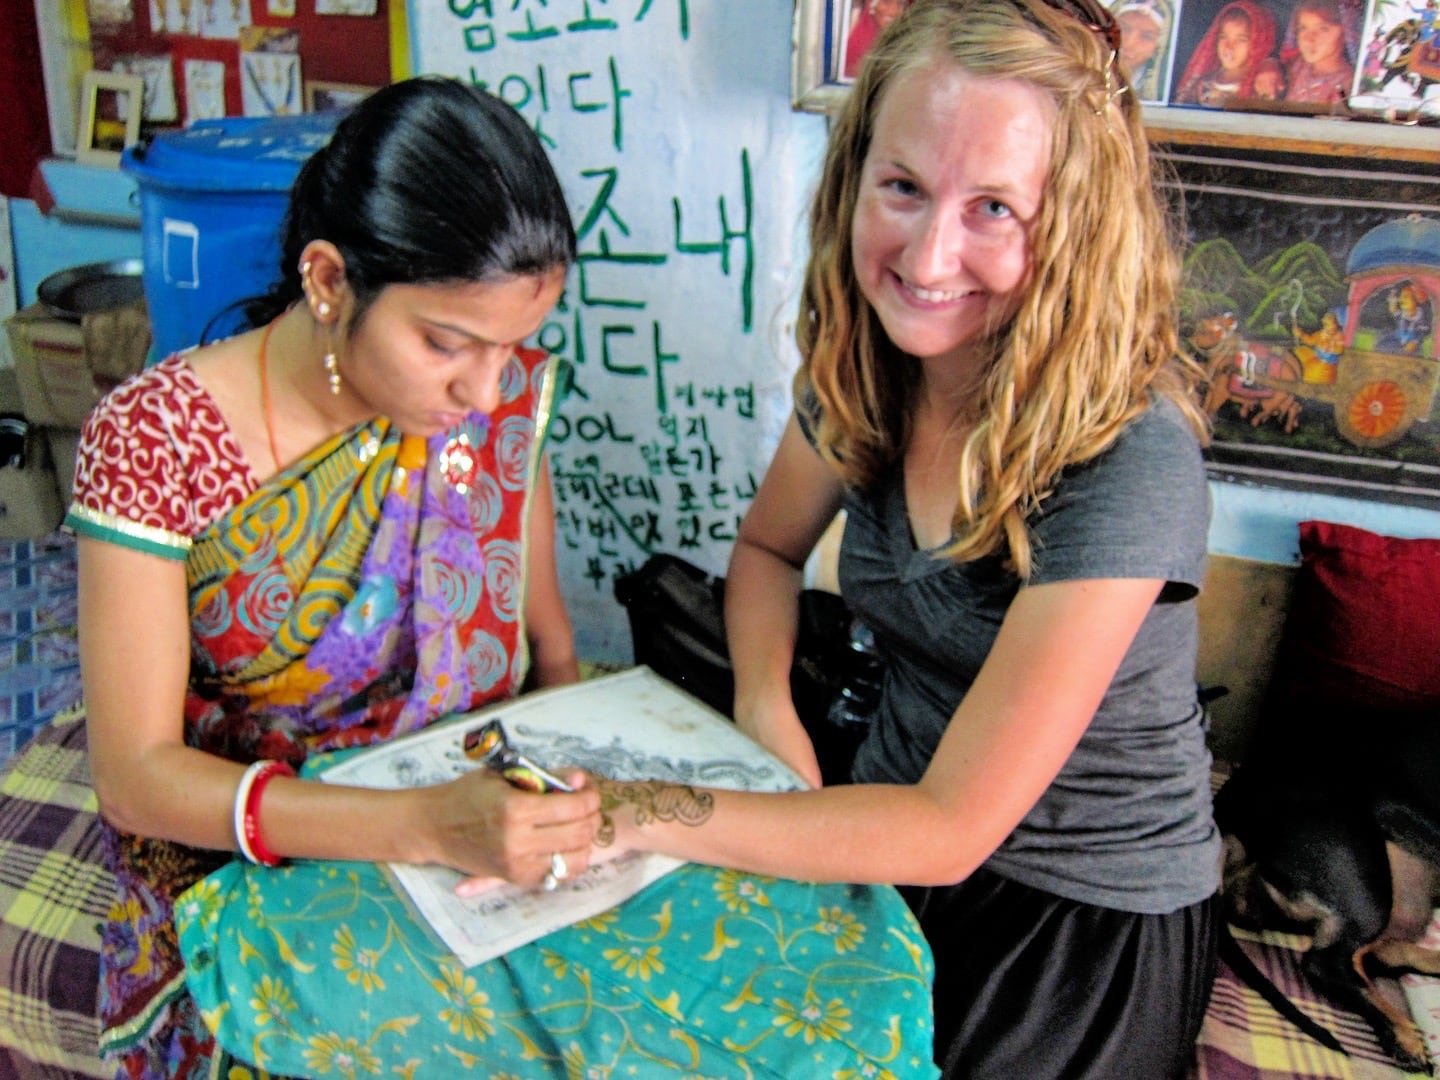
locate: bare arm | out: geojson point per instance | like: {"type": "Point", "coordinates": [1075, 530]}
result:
{"type": "Point", "coordinates": [547, 622]}
{"type": "Point", "coordinates": [798, 498]}
{"type": "Point", "coordinates": [151, 784]}
{"type": "Point", "coordinates": [1056, 654]}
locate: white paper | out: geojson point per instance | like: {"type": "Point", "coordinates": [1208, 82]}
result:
{"type": "Point", "coordinates": [630, 726]}
{"type": "Point", "coordinates": [204, 90]}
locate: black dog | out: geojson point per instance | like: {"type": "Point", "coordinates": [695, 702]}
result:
{"type": "Point", "coordinates": [1333, 829]}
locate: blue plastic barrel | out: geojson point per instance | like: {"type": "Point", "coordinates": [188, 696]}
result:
{"type": "Point", "coordinates": [212, 200]}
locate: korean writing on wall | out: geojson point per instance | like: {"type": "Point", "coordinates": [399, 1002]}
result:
{"type": "Point", "coordinates": [669, 125]}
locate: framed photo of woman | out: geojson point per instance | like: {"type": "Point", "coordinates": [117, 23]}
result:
{"type": "Point", "coordinates": [831, 39]}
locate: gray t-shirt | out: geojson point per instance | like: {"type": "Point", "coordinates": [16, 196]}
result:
{"type": "Point", "coordinates": [1127, 822]}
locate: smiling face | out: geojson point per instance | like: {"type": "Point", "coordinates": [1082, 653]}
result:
{"type": "Point", "coordinates": [426, 356]}
{"type": "Point", "coordinates": [1232, 45]}
{"type": "Point", "coordinates": [1321, 41]}
{"type": "Point", "coordinates": [952, 182]}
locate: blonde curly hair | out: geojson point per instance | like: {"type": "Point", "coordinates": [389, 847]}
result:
{"type": "Point", "coordinates": [1095, 333]}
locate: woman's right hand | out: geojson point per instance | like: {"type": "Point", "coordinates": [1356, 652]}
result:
{"type": "Point", "coordinates": [485, 827]}
{"type": "Point", "coordinates": [797, 500]}
{"type": "Point", "coordinates": [777, 727]}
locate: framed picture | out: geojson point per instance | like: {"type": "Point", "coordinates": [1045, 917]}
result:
{"type": "Point", "coordinates": [324, 96]}
{"type": "Point", "coordinates": [1399, 71]}
{"type": "Point", "coordinates": [1314, 315]}
{"type": "Point", "coordinates": [270, 83]}
{"type": "Point", "coordinates": [815, 80]}
{"type": "Point", "coordinates": [111, 104]}
{"type": "Point", "coordinates": [1147, 32]}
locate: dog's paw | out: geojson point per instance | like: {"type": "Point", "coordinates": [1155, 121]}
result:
{"type": "Point", "coordinates": [1406, 1045]}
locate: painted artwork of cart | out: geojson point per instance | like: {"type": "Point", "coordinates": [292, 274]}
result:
{"type": "Point", "coordinates": [1373, 357]}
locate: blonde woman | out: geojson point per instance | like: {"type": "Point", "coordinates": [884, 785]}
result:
{"type": "Point", "coordinates": [991, 390]}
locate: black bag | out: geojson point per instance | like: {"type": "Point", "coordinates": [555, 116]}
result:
{"type": "Point", "coordinates": [677, 627]}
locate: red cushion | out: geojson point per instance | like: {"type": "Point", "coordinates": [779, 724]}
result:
{"type": "Point", "coordinates": [1364, 623]}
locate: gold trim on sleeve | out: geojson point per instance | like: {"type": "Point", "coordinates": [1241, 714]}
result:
{"type": "Point", "coordinates": [149, 535]}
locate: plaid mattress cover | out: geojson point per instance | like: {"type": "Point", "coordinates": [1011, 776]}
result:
{"type": "Point", "coordinates": [1243, 1038]}
{"type": "Point", "coordinates": [54, 893]}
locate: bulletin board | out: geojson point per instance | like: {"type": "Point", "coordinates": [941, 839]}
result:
{"type": "Point", "coordinates": [671, 128]}
{"type": "Point", "coordinates": [201, 59]}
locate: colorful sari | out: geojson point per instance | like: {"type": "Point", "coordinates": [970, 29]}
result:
{"type": "Point", "coordinates": [367, 590]}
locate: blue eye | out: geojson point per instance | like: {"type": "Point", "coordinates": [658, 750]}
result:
{"type": "Point", "coordinates": [994, 208]}
{"type": "Point", "coordinates": [903, 186]}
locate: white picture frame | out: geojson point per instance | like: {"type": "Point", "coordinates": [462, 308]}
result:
{"type": "Point", "coordinates": [99, 130]}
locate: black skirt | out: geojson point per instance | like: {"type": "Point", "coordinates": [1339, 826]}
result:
{"type": "Point", "coordinates": [1030, 986]}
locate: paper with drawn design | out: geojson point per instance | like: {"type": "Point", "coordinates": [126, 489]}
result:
{"type": "Point", "coordinates": [631, 726]}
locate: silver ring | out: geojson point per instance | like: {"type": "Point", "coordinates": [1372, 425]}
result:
{"type": "Point", "coordinates": [559, 871]}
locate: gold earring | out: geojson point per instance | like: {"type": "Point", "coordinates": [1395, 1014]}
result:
{"type": "Point", "coordinates": [322, 309]}
{"type": "Point", "coordinates": [332, 365]}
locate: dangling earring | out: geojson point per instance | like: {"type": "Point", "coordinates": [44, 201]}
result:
{"type": "Point", "coordinates": [332, 368]}
{"type": "Point", "coordinates": [322, 311]}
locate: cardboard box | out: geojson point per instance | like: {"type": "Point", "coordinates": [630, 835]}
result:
{"type": "Point", "coordinates": [64, 444]}
{"type": "Point", "coordinates": [30, 506]}
{"type": "Point", "coordinates": [57, 386]}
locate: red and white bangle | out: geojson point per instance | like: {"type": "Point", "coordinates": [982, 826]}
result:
{"type": "Point", "coordinates": [247, 810]}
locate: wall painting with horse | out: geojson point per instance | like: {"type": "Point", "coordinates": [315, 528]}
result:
{"type": "Point", "coordinates": [1310, 298]}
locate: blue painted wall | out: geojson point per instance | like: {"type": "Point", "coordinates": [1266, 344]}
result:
{"type": "Point", "coordinates": [1261, 523]}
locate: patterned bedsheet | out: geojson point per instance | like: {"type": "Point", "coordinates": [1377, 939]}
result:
{"type": "Point", "coordinates": [54, 892]}
{"type": "Point", "coordinates": [1243, 1038]}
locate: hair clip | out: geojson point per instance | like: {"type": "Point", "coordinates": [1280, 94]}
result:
{"type": "Point", "coordinates": [1113, 92]}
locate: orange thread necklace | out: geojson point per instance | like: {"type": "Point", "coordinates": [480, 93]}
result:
{"type": "Point", "coordinates": [265, 391]}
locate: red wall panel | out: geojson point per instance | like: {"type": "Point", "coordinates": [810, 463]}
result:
{"type": "Point", "coordinates": [333, 48]}
{"type": "Point", "coordinates": [24, 122]}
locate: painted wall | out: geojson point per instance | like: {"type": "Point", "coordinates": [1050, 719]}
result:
{"type": "Point", "coordinates": [24, 128]}
{"type": "Point", "coordinates": [1260, 523]}
{"type": "Point", "coordinates": [687, 172]}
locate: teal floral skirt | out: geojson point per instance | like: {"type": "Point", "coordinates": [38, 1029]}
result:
{"type": "Point", "coordinates": [321, 969]}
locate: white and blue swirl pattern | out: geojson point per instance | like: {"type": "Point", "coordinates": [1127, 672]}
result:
{"type": "Point", "coordinates": [503, 578]}
{"type": "Point", "coordinates": [487, 502]}
{"type": "Point", "coordinates": [485, 660]}
{"type": "Point", "coordinates": [213, 617]}
{"type": "Point", "coordinates": [513, 380]}
{"type": "Point", "coordinates": [266, 602]}
{"type": "Point", "coordinates": [512, 451]}
{"type": "Point", "coordinates": [459, 590]}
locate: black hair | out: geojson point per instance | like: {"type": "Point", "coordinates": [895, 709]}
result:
{"type": "Point", "coordinates": [426, 181]}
